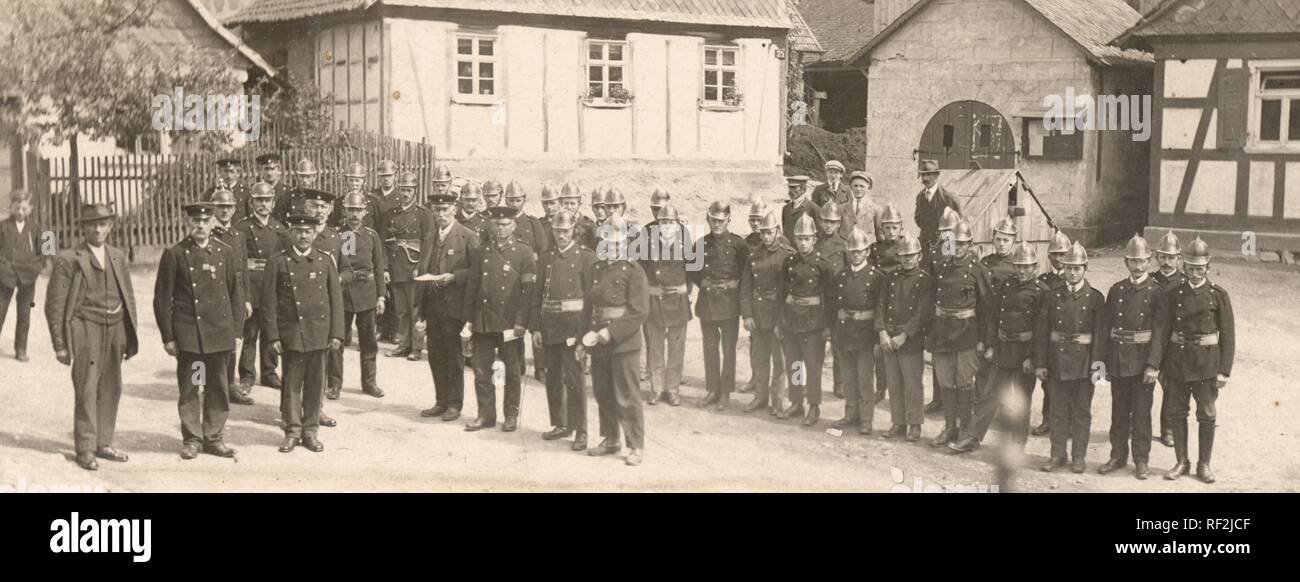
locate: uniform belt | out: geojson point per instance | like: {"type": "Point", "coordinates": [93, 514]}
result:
{"type": "Point", "coordinates": [257, 264]}
{"type": "Point", "coordinates": [610, 312]}
{"type": "Point", "coordinates": [857, 314]}
{"type": "Point", "coordinates": [721, 285]}
{"type": "Point", "coordinates": [673, 290]}
{"type": "Point", "coordinates": [1205, 339]}
{"type": "Point", "coordinates": [362, 275]}
{"type": "Point", "coordinates": [1131, 337]}
{"type": "Point", "coordinates": [766, 296]}
{"type": "Point", "coordinates": [562, 305]}
{"type": "Point", "coordinates": [1071, 338]}
{"type": "Point", "coordinates": [1015, 336]}
{"type": "Point", "coordinates": [954, 313]}
{"type": "Point", "coordinates": [804, 301]}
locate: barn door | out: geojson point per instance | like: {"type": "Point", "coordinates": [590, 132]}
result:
{"type": "Point", "coordinates": [969, 134]}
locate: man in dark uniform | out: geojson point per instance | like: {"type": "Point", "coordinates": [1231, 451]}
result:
{"type": "Point", "coordinates": [361, 268]}
{"type": "Point", "coordinates": [831, 246]}
{"type": "Point", "coordinates": [658, 199]}
{"type": "Point", "coordinates": [90, 309]}
{"type": "Point", "coordinates": [799, 204]}
{"type": "Point", "coordinates": [387, 195]}
{"type": "Point", "coordinates": [499, 300]}
{"type": "Point", "coordinates": [1132, 309]}
{"type": "Point", "coordinates": [761, 311]}
{"type": "Point", "coordinates": [328, 241]}
{"type": "Point", "coordinates": [598, 208]}
{"type": "Point", "coordinates": [665, 264]}
{"type": "Point", "coordinates": [1169, 254]}
{"type": "Point", "coordinates": [303, 320]}
{"type": "Point", "coordinates": [1070, 338]}
{"type": "Point", "coordinates": [444, 270]}
{"type": "Point", "coordinates": [884, 256]}
{"type": "Point", "coordinates": [441, 182]}
{"type": "Point", "coordinates": [617, 306]}
{"type": "Point", "coordinates": [718, 304]}
{"type": "Point", "coordinates": [230, 177]}
{"type": "Point", "coordinates": [530, 231]}
{"type": "Point", "coordinates": [963, 307]}
{"type": "Point", "coordinates": [1053, 280]}
{"type": "Point", "coordinates": [834, 189]}
{"type": "Point", "coordinates": [1198, 356]}
{"type": "Point", "coordinates": [198, 302]}
{"type": "Point", "coordinates": [270, 173]}
{"type": "Point", "coordinates": [1008, 352]}
{"type": "Point", "coordinates": [223, 231]}
{"type": "Point", "coordinates": [471, 197]}
{"type": "Point", "coordinates": [585, 230]}
{"type": "Point", "coordinates": [757, 209]}
{"type": "Point", "coordinates": [21, 262]}
{"type": "Point", "coordinates": [806, 282]}
{"type": "Point", "coordinates": [356, 183]}
{"type": "Point", "coordinates": [550, 209]}
{"type": "Point", "coordinates": [263, 237]}
{"type": "Point", "coordinates": [997, 265]}
{"type": "Point", "coordinates": [853, 304]}
{"type": "Point", "coordinates": [930, 202]}
{"type": "Point", "coordinates": [905, 311]}
{"type": "Point", "coordinates": [565, 268]}
{"type": "Point", "coordinates": [933, 259]}
{"type": "Point", "coordinates": [407, 226]}
{"type": "Point", "coordinates": [492, 191]}
{"type": "Point", "coordinates": [305, 175]}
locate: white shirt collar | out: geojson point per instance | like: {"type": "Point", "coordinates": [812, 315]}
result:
{"type": "Point", "coordinates": [858, 268]}
{"type": "Point", "coordinates": [20, 224]}
{"type": "Point", "coordinates": [1076, 288]}
{"type": "Point", "coordinates": [98, 251]}
{"type": "Point", "coordinates": [929, 192]}
{"type": "Point", "coordinates": [567, 247]}
{"type": "Point", "coordinates": [1139, 280]}
{"type": "Point", "coordinates": [300, 253]}
{"type": "Point", "coordinates": [1203, 282]}
{"type": "Point", "coordinates": [443, 232]}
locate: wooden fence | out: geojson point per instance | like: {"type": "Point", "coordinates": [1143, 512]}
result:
{"type": "Point", "coordinates": [148, 191]}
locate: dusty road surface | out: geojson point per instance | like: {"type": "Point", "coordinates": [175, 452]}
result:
{"type": "Point", "coordinates": [384, 445]}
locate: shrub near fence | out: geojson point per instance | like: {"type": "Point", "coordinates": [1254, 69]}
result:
{"type": "Point", "coordinates": [148, 191]}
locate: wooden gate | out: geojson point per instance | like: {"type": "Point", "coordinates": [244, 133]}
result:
{"type": "Point", "coordinates": [969, 135]}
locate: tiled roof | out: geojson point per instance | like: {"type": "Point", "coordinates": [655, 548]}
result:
{"type": "Point", "coordinates": [802, 38]}
{"type": "Point", "coordinates": [1091, 24]}
{"type": "Point", "coordinates": [1211, 17]}
{"type": "Point", "coordinates": [741, 13]}
{"type": "Point", "coordinates": [841, 26]}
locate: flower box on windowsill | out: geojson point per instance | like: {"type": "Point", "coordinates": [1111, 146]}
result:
{"type": "Point", "coordinates": [606, 104]}
{"type": "Point", "coordinates": [712, 106]}
{"type": "Point", "coordinates": [475, 99]}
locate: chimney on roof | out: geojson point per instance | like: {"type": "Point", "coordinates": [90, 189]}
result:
{"type": "Point", "coordinates": [887, 11]}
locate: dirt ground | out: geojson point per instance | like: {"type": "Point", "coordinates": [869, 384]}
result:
{"type": "Point", "coordinates": [383, 445]}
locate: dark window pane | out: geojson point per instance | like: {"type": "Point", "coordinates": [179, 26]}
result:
{"type": "Point", "coordinates": [1270, 120]}
{"type": "Point", "coordinates": [485, 70]}
{"type": "Point", "coordinates": [710, 57]}
{"type": "Point", "coordinates": [595, 73]}
{"type": "Point", "coordinates": [615, 52]}
{"type": "Point", "coordinates": [615, 87]}
{"type": "Point", "coordinates": [729, 58]}
{"type": "Point", "coordinates": [710, 77]}
{"type": "Point", "coordinates": [710, 93]}
{"type": "Point", "coordinates": [465, 86]}
{"type": "Point", "coordinates": [615, 74]}
{"type": "Point", "coordinates": [464, 69]}
{"type": "Point", "coordinates": [729, 78]}
{"type": "Point", "coordinates": [986, 134]}
{"type": "Point", "coordinates": [485, 88]}
{"type": "Point", "coordinates": [1293, 128]}
{"type": "Point", "coordinates": [594, 51]}
{"type": "Point", "coordinates": [485, 48]}
{"type": "Point", "coordinates": [948, 139]}
{"type": "Point", "coordinates": [597, 90]}
{"type": "Point", "coordinates": [1282, 80]}
{"type": "Point", "coordinates": [465, 46]}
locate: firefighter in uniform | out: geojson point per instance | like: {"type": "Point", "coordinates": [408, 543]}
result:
{"type": "Point", "coordinates": [442, 181]}
{"type": "Point", "coordinates": [884, 256]}
{"type": "Point", "coordinates": [806, 282]}
{"type": "Point", "coordinates": [1198, 356]}
{"type": "Point", "coordinates": [761, 311]}
{"type": "Point", "coordinates": [1008, 353]}
{"type": "Point", "coordinates": [270, 173]}
{"type": "Point", "coordinates": [718, 303]}
{"type": "Point", "coordinates": [498, 302]}
{"type": "Point", "coordinates": [1132, 308]}
{"type": "Point", "coordinates": [1053, 280]}
{"type": "Point", "coordinates": [666, 274]}
{"type": "Point", "coordinates": [1070, 338]}
{"type": "Point", "coordinates": [799, 204]}
{"type": "Point", "coordinates": [263, 236]}
{"type": "Point", "coordinates": [198, 304]}
{"type": "Point", "coordinates": [530, 231]}
{"type": "Point", "coordinates": [831, 246]}
{"type": "Point", "coordinates": [407, 225]}
{"type": "Point", "coordinates": [223, 231]}
{"type": "Point", "coordinates": [231, 178]}
{"type": "Point", "coordinates": [754, 240]}
{"type": "Point", "coordinates": [387, 196]}
{"type": "Point", "coordinates": [565, 269]}
{"type": "Point", "coordinates": [617, 306]}
{"type": "Point", "coordinates": [492, 191]}
{"type": "Point", "coordinates": [906, 308]}
{"type": "Point", "coordinates": [303, 321]}
{"type": "Point", "coordinates": [550, 199]}
{"type": "Point", "coordinates": [361, 268]}
{"type": "Point", "coordinates": [962, 309]}
{"type": "Point", "coordinates": [90, 309]}
{"type": "Point", "coordinates": [853, 307]}
{"type": "Point", "coordinates": [1168, 275]}
{"type": "Point", "coordinates": [445, 270]}
{"type": "Point", "coordinates": [305, 175]}
{"type": "Point", "coordinates": [471, 197]}
{"type": "Point", "coordinates": [585, 229]}
{"type": "Point", "coordinates": [934, 256]}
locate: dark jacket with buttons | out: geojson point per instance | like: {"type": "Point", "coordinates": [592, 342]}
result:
{"type": "Point", "coordinates": [1052, 280]}
{"type": "Point", "coordinates": [261, 242]}
{"type": "Point", "coordinates": [198, 297]}
{"type": "Point", "coordinates": [833, 248]}
{"type": "Point", "coordinates": [1067, 312]}
{"type": "Point", "coordinates": [761, 282]}
{"type": "Point", "coordinates": [361, 269]}
{"type": "Point", "coordinates": [960, 283]}
{"type": "Point", "coordinates": [450, 255]}
{"type": "Point", "coordinates": [617, 284]}
{"type": "Point", "coordinates": [530, 231]}
{"type": "Point", "coordinates": [411, 225]}
{"type": "Point", "coordinates": [884, 255]}
{"type": "Point", "coordinates": [855, 291]}
{"type": "Point", "coordinates": [669, 283]}
{"type": "Point", "coordinates": [907, 306]}
{"type": "Point", "coordinates": [564, 278]}
{"type": "Point", "coordinates": [1198, 311]}
{"type": "Point", "coordinates": [805, 276]}
{"type": "Point", "coordinates": [500, 291]}
{"type": "Point", "coordinates": [999, 269]}
{"type": "Point", "coordinates": [1133, 308]}
{"type": "Point", "coordinates": [233, 238]}
{"type": "Point", "coordinates": [1015, 309]}
{"type": "Point", "coordinates": [791, 212]}
{"type": "Point", "coordinates": [20, 253]}
{"type": "Point", "coordinates": [308, 300]}
{"type": "Point", "coordinates": [724, 259]}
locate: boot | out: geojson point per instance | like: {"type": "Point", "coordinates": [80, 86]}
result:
{"type": "Point", "coordinates": [1167, 437]}
{"type": "Point", "coordinates": [757, 404]}
{"type": "Point", "coordinates": [1205, 447]}
{"type": "Point", "coordinates": [1183, 466]}
{"type": "Point", "coordinates": [795, 410]}
{"type": "Point", "coordinates": [947, 435]}
{"type": "Point", "coordinates": [965, 408]}
{"type": "Point", "coordinates": [846, 422]}
{"type": "Point", "coordinates": [369, 373]}
{"type": "Point", "coordinates": [814, 412]}
{"type": "Point", "coordinates": [950, 429]}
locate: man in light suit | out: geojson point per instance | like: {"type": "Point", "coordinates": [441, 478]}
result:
{"type": "Point", "coordinates": [859, 211]}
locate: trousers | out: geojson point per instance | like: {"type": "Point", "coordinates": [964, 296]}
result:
{"type": "Point", "coordinates": [665, 362]}
{"type": "Point", "coordinates": [906, 390]}
{"type": "Point", "coordinates": [487, 347]}
{"type": "Point", "coordinates": [720, 368]}
{"type": "Point", "coordinates": [445, 362]}
{"type": "Point", "coordinates": [203, 416]}
{"type": "Point", "coordinates": [97, 352]}
{"type": "Point", "coordinates": [767, 366]}
{"type": "Point", "coordinates": [566, 387]}
{"type": "Point", "coordinates": [301, 394]}
{"type": "Point", "coordinates": [23, 310]}
{"type": "Point", "coordinates": [805, 353]}
{"type": "Point", "coordinates": [1071, 417]}
{"type": "Point", "coordinates": [255, 351]}
{"type": "Point", "coordinates": [617, 390]}
{"type": "Point", "coordinates": [1130, 418]}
